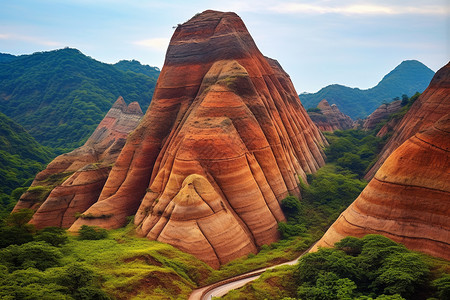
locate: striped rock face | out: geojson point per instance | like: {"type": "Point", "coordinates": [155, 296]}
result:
{"type": "Point", "coordinates": [72, 182]}
{"type": "Point", "coordinates": [224, 140]}
{"type": "Point", "coordinates": [330, 118]}
{"type": "Point", "coordinates": [408, 200]}
{"type": "Point", "coordinates": [432, 105]}
{"type": "Point", "coordinates": [381, 113]}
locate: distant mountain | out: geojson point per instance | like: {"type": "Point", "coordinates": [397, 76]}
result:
{"type": "Point", "coordinates": [5, 57]}
{"type": "Point", "coordinates": [60, 96]}
{"type": "Point", "coordinates": [21, 156]}
{"type": "Point", "coordinates": [409, 77]}
{"type": "Point", "coordinates": [137, 67]}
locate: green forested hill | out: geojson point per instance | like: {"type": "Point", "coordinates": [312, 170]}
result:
{"type": "Point", "coordinates": [137, 67]}
{"type": "Point", "coordinates": [5, 57]}
{"type": "Point", "coordinates": [21, 157]}
{"type": "Point", "coordinates": [409, 77]}
{"type": "Point", "coordinates": [60, 96]}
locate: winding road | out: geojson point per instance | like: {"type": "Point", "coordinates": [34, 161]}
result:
{"type": "Point", "coordinates": [220, 288]}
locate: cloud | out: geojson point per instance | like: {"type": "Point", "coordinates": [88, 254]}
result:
{"type": "Point", "coordinates": [30, 39]}
{"type": "Point", "coordinates": [157, 44]}
{"type": "Point", "coordinates": [366, 8]}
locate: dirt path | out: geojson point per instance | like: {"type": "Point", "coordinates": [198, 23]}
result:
{"type": "Point", "coordinates": [220, 288]}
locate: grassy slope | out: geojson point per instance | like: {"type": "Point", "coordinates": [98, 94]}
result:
{"type": "Point", "coordinates": [135, 268]}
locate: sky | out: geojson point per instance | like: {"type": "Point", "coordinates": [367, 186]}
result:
{"type": "Point", "coordinates": [322, 42]}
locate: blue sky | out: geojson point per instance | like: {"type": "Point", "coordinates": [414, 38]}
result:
{"type": "Point", "coordinates": [350, 42]}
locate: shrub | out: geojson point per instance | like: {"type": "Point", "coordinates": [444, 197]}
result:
{"type": "Point", "coordinates": [291, 206]}
{"type": "Point", "coordinates": [442, 286]}
{"type": "Point", "coordinates": [54, 236]}
{"type": "Point", "coordinates": [37, 255]}
{"type": "Point", "coordinates": [12, 235]}
{"type": "Point", "coordinates": [92, 233]}
{"type": "Point", "coordinates": [314, 109]}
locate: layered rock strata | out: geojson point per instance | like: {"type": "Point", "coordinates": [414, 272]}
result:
{"type": "Point", "coordinates": [381, 113]}
{"type": "Point", "coordinates": [330, 118]}
{"type": "Point", "coordinates": [408, 200]}
{"type": "Point", "coordinates": [72, 182]}
{"type": "Point", "coordinates": [433, 104]}
{"type": "Point", "coordinates": [223, 141]}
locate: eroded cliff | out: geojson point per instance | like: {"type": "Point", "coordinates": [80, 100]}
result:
{"type": "Point", "coordinates": [72, 182]}
{"type": "Point", "coordinates": [330, 118]}
{"type": "Point", "coordinates": [408, 200]}
{"type": "Point", "coordinates": [381, 113]}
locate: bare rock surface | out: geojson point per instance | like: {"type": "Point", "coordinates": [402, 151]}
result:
{"type": "Point", "coordinates": [330, 118]}
{"type": "Point", "coordinates": [381, 113]}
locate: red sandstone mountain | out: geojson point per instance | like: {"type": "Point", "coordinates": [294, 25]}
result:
{"type": "Point", "coordinates": [381, 113]}
{"type": "Point", "coordinates": [408, 200]}
{"type": "Point", "coordinates": [223, 141]}
{"type": "Point", "coordinates": [330, 118]}
{"type": "Point", "coordinates": [426, 110]}
{"type": "Point", "coordinates": [75, 180]}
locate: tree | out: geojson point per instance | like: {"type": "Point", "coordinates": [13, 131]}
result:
{"type": "Point", "coordinates": [37, 255]}
{"type": "Point", "coordinates": [291, 206]}
{"type": "Point", "coordinates": [405, 99]}
{"type": "Point", "coordinates": [54, 236]}
{"type": "Point", "coordinates": [92, 233]}
{"type": "Point", "coordinates": [353, 162]}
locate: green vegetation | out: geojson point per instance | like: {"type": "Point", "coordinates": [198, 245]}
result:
{"type": "Point", "coordinates": [276, 283]}
{"type": "Point", "coordinates": [60, 96]}
{"type": "Point", "coordinates": [282, 251]}
{"type": "Point", "coordinates": [21, 157]}
{"type": "Point", "coordinates": [137, 67]}
{"type": "Point", "coordinates": [407, 78]}
{"type": "Point", "coordinates": [353, 150]}
{"type": "Point", "coordinates": [92, 233]}
{"type": "Point", "coordinates": [14, 228]}
{"type": "Point", "coordinates": [326, 196]}
{"type": "Point", "coordinates": [314, 109]}
{"type": "Point", "coordinates": [52, 265]}
{"type": "Point", "coordinates": [396, 117]}
{"type": "Point", "coordinates": [373, 267]}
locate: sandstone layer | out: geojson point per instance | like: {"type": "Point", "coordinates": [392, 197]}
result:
{"type": "Point", "coordinates": [408, 200]}
{"type": "Point", "coordinates": [224, 140]}
{"type": "Point", "coordinates": [381, 113]}
{"type": "Point", "coordinates": [330, 118]}
{"type": "Point", "coordinates": [72, 182]}
{"type": "Point", "coordinates": [433, 104]}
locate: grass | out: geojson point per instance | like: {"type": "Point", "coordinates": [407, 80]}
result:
{"type": "Point", "coordinates": [273, 284]}
{"type": "Point", "coordinates": [269, 255]}
{"type": "Point", "coordinates": [137, 268]}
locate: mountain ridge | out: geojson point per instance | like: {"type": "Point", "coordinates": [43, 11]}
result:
{"type": "Point", "coordinates": [409, 77]}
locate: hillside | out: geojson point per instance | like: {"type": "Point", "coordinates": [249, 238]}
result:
{"type": "Point", "coordinates": [137, 67]}
{"type": "Point", "coordinates": [409, 77]}
{"type": "Point", "coordinates": [5, 57]}
{"type": "Point", "coordinates": [60, 96]}
{"type": "Point", "coordinates": [21, 157]}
